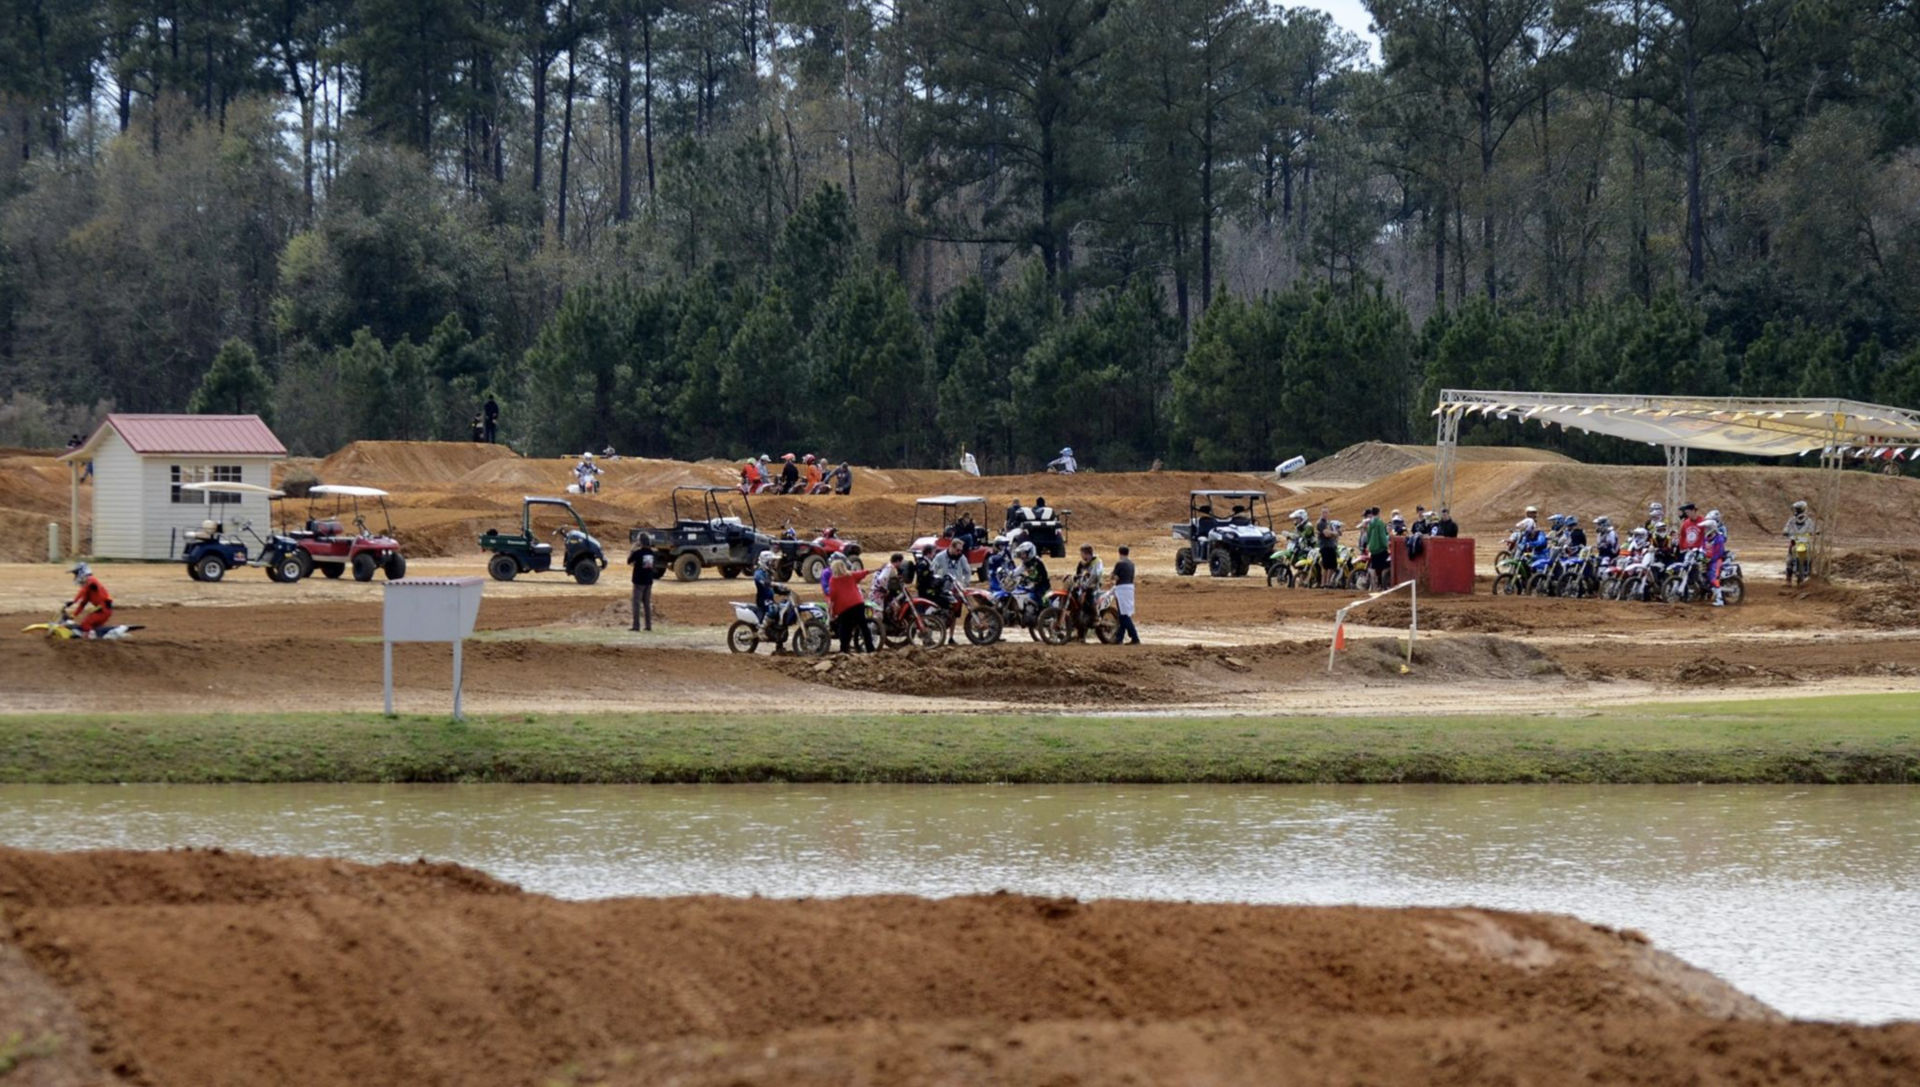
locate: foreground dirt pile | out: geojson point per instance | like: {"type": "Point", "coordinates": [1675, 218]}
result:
{"type": "Point", "coordinates": [208, 968]}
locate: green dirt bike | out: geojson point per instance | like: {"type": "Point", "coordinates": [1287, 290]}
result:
{"type": "Point", "coordinates": [1511, 574]}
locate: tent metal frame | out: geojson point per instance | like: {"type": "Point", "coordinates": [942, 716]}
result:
{"type": "Point", "coordinates": [1839, 430]}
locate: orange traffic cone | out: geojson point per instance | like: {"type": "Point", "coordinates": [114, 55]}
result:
{"type": "Point", "coordinates": [1340, 636]}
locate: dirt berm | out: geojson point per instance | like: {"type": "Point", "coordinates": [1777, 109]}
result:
{"type": "Point", "coordinates": [205, 968]}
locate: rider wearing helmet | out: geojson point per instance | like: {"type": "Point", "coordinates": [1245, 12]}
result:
{"type": "Point", "coordinates": [789, 475]}
{"type": "Point", "coordinates": [584, 473]}
{"type": "Point", "coordinates": [1576, 536]}
{"type": "Point", "coordinates": [1655, 514]}
{"type": "Point", "coordinates": [812, 474]}
{"type": "Point", "coordinates": [1033, 572]}
{"type": "Point", "coordinates": [1064, 463]}
{"type": "Point", "coordinates": [1607, 544]}
{"type": "Point", "coordinates": [93, 595]}
{"type": "Point", "coordinates": [1713, 540]}
{"type": "Point", "coordinates": [1801, 523]}
{"type": "Point", "coordinates": [765, 588]}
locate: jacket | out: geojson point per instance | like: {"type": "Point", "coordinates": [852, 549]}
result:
{"type": "Point", "coordinates": [843, 590]}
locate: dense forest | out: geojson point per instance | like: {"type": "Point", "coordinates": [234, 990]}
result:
{"type": "Point", "coordinates": [1214, 232]}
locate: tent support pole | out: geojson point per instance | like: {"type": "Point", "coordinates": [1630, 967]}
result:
{"type": "Point", "coordinates": [1447, 436]}
{"type": "Point", "coordinates": [1832, 464]}
{"type": "Point", "coordinates": [1676, 480]}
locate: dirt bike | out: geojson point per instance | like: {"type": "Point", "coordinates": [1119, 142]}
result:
{"type": "Point", "coordinates": [1017, 607]}
{"type": "Point", "coordinates": [907, 619]}
{"type": "Point", "coordinates": [67, 627]}
{"type": "Point", "coordinates": [585, 482]}
{"type": "Point", "coordinates": [807, 623]}
{"type": "Point", "coordinates": [974, 612]}
{"type": "Point", "coordinates": [1576, 575]}
{"type": "Point", "coordinates": [1799, 560]}
{"type": "Point", "coordinates": [1066, 618]}
{"type": "Point", "coordinates": [1686, 580]}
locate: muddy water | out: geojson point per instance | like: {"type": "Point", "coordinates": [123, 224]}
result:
{"type": "Point", "coordinates": [1807, 898]}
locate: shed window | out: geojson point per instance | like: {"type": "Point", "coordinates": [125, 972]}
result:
{"type": "Point", "coordinates": [218, 473]}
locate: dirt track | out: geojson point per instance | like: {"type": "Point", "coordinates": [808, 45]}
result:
{"type": "Point", "coordinates": [1214, 645]}
{"type": "Point", "coordinates": [205, 969]}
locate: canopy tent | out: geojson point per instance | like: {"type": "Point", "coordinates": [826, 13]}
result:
{"type": "Point", "coordinates": [1836, 429]}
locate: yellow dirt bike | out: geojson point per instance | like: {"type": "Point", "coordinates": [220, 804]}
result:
{"type": "Point", "coordinates": [67, 628]}
{"type": "Point", "coordinates": [1799, 560]}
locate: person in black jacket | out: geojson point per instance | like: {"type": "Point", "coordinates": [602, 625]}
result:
{"type": "Point", "coordinates": [1447, 526]}
{"type": "Point", "coordinates": [490, 411]}
{"type": "Point", "coordinates": [645, 572]}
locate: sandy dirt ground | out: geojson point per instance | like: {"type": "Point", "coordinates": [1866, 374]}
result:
{"type": "Point", "coordinates": [1214, 645]}
{"type": "Point", "coordinates": [207, 969]}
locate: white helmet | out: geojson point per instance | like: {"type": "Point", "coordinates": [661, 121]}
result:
{"type": "Point", "coordinates": [1025, 551]}
{"type": "Point", "coordinates": [1714, 516]}
{"type": "Point", "coordinates": [1638, 535]}
{"type": "Point", "coordinates": [81, 572]}
{"type": "Point", "coordinates": [1066, 451]}
{"type": "Point", "coordinates": [769, 559]}
{"type": "Point", "coordinates": [1298, 515]}
{"type": "Point", "coordinates": [1655, 507]}
{"type": "Point", "coordinates": [1800, 506]}
{"type": "Point", "coordinates": [586, 456]}
{"type": "Point", "coordinates": [1711, 524]}
{"type": "Point", "coordinates": [1603, 521]}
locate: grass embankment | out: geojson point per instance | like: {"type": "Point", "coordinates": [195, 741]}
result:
{"type": "Point", "coordinates": [1870, 738]}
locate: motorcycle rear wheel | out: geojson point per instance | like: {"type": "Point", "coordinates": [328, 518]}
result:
{"type": "Point", "coordinates": [1107, 628]}
{"type": "Point", "coordinates": [1733, 590]}
{"type": "Point", "coordinates": [742, 637]}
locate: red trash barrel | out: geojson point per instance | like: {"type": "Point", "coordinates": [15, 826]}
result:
{"type": "Point", "coordinates": [1449, 565]}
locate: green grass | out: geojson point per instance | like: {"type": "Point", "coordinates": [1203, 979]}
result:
{"type": "Point", "coordinates": [1871, 738]}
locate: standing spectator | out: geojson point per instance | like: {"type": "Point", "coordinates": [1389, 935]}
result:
{"type": "Point", "coordinates": [491, 412]}
{"type": "Point", "coordinates": [645, 573]}
{"type": "Point", "coordinates": [1123, 599]}
{"type": "Point", "coordinates": [1692, 534]}
{"type": "Point", "coordinates": [1373, 537]}
{"type": "Point", "coordinates": [848, 606]}
{"type": "Point", "coordinates": [1328, 531]}
{"type": "Point", "coordinates": [843, 479]}
{"type": "Point", "coordinates": [1447, 527]}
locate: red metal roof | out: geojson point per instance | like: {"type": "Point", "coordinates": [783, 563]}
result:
{"type": "Point", "coordinates": [244, 435]}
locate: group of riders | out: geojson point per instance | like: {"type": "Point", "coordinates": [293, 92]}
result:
{"type": "Point", "coordinates": [1311, 554]}
{"type": "Point", "coordinates": [935, 581]}
{"type": "Point", "coordinates": [806, 474]}
{"type": "Point", "coordinates": [1655, 560]}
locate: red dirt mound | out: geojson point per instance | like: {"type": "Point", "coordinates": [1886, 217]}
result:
{"type": "Point", "coordinates": [413, 464]}
{"type": "Point", "coordinates": [209, 969]}
{"type": "Point", "coordinates": [1365, 462]}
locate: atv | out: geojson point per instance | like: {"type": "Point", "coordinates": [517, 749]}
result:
{"type": "Point", "coordinates": [717, 537]}
{"type": "Point", "coordinates": [1228, 545]}
{"type": "Point", "coordinates": [333, 550]}
{"type": "Point", "coordinates": [808, 558]}
{"type": "Point", "coordinates": [526, 553]}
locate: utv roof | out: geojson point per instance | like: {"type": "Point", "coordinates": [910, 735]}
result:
{"type": "Point", "coordinates": [1255, 493]}
{"type": "Point", "coordinates": [347, 490]}
{"type": "Point", "coordinates": [232, 488]}
{"type": "Point", "coordinates": [951, 500]}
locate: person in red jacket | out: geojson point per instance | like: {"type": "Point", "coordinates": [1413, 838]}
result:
{"type": "Point", "coordinates": [93, 595]}
{"type": "Point", "coordinates": [849, 607]}
{"type": "Point", "coordinates": [1692, 531]}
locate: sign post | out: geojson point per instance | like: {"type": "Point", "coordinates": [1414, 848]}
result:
{"type": "Point", "coordinates": [428, 609]}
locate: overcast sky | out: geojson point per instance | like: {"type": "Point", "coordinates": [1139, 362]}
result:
{"type": "Point", "coordinates": [1350, 14]}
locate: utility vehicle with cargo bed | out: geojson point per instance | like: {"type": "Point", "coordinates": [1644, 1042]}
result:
{"type": "Point", "coordinates": [707, 532]}
{"type": "Point", "coordinates": [1226, 541]}
{"type": "Point", "coordinates": [529, 553]}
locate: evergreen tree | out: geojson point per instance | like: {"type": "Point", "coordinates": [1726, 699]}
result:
{"type": "Point", "coordinates": [234, 385]}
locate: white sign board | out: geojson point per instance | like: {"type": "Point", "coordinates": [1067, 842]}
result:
{"type": "Point", "coordinates": [429, 609]}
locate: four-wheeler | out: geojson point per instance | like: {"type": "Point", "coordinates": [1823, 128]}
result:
{"type": "Point", "coordinates": [947, 514]}
{"type": "Point", "coordinates": [211, 550]}
{"type": "Point", "coordinates": [1042, 526]}
{"type": "Point", "coordinates": [526, 552]}
{"type": "Point", "coordinates": [1226, 545]}
{"type": "Point", "coordinates": [333, 551]}
{"type": "Point", "coordinates": [808, 557]}
{"type": "Point", "coordinates": [717, 537]}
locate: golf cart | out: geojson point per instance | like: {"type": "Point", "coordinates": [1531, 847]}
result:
{"type": "Point", "coordinates": [717, 537]}
{"type": "Point", "coordinates": [1042, 526]}
{"type": "Point", "coordinates": [944, 512]}
{"type": "Point", "coordinates": [1225, 545]}
{"type": "Point", "coordinates": [333, 550]}
{"type": "Point", "coordinates": [210, 551]}
{"type": "Point", "coordinates": [581, 556]}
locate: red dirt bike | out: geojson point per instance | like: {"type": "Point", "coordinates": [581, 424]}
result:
{"type": "Point", "coordinates": [908, 619]}
{"type": "Point", "coordinates": [1071, 613]}
{"type": "Point", "coordinates": [973, 612]}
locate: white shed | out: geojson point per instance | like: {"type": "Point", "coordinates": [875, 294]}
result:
{"type": "Point", "coordinates": [139, 463]}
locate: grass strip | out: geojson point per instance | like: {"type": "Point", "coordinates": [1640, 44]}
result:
{"type": "Point", "coordinates": [1847, 739]}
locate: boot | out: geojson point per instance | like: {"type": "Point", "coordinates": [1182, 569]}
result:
{"type": "Point", "coordinates": [1719, 598]}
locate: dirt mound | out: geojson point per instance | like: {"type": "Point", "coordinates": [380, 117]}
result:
{"type": "Point", "coordinates": [1895, 607]}
{"type": "Point", "coordinates": [411, 464]}
{"type": "Point", "coordinates": [210, 969]}
{"type": "Point", "coordinates": [1466, 656]}
{"type": "Point", "coordinates": [1878, 567]}
{"type": "Point", "coordinates": [1017, 672]}
{"type": "Point", "coordinates": [1365, 462]}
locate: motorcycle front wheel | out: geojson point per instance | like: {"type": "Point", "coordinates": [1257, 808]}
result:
{"type": "Point", "coordinates": [812, 639]}
{"type": "Point", "coordinates": [1107, 628]}
{"type": "Point", "coordinates": [984, 626]}
{"type": "Point", "coordinates": [1053, 625]}
{"type": "Point", "coordinates": [742, 637]}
